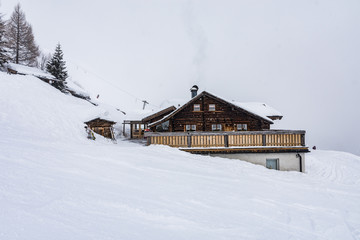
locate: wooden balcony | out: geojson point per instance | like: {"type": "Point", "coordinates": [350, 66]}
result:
{"type": "Point", "coordinates": [232, 142]}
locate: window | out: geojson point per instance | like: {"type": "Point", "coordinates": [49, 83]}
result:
{"type": "Point", "coordinates": [163, 127]}
{"type": "Point", "coordinates": [190, 127]}
{"type": "Point", "coordinates": [211, 107]}
{"type": "Point", "coordinates": [216, 127]}
{"type": "Point", "coordinates": [139, 126]}
{"type": "Point", "coordinates": [272, 163]}
{"type": "Point", "coordinates": [196, 107]}
{"type": "Point", "coordinates": [242, 127]}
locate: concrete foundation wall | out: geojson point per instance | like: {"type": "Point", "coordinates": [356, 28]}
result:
{"type": "Point", "coordinates": [287, 161]}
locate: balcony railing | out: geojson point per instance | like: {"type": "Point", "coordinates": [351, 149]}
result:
{"type": "Point", "coordinates": [269, 138]}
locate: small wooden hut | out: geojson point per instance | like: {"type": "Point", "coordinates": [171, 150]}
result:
{"type": "Point", "coordinates": [102, 126]}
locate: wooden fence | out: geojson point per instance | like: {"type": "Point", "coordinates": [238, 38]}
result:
{"type": "Point", "coordinates": [272, 138]}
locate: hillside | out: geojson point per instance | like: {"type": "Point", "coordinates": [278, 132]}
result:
{"type": "Point", "coordinates": [56, 184]}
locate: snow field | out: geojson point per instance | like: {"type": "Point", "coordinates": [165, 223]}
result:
{"type": "Point", "coordinates": [56, 184]}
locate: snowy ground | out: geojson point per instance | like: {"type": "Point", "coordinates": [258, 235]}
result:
{"type": "Point", "coordinates": [56, 184]}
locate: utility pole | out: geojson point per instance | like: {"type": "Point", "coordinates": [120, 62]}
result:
{"type": "Point", "coordinates": [145, 102]}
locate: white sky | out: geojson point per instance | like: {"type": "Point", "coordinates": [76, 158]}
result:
{"type": "Point", "coordinates": [301, 57]}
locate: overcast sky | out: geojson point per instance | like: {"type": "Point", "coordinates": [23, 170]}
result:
{"type": "Point", "coordinates": [301, 57]}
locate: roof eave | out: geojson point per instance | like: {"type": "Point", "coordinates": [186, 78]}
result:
{"type": "Point", "coordinates": [278, 117]}
{"type": "Point", "coordinates": [98, 118]}
{"type": "Point", "coordinates": [154, 115]}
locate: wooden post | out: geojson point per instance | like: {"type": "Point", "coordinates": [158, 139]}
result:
{"type": "Point", "coordinates": [131, 130]}
{"type": "Point", "coordinates": [302, 139]}
{"type": "Point", "coordinates": [148, 141]}
{"type": "Point", "coordinates": [264, 139]}
{"type": "Point", "coordinates": [124, 129]}
{"type": "Point", "coordinates": [226, 140]}
{"type": "Point", "coordinates": [189, 141]}
{"type": "Point", "coordinates": [112, 133]}
{"type": "Point", "coordinates": [140, 135]}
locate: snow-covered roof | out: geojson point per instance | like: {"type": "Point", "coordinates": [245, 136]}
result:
{"type": "Point", "coordinates": [261, 109]}
{"type": "Point", "coordinates": [162, 119]}
{"type": "Point", "coordinates": [29, 70]}
{"type": "Point", "coordinates": [165, 111]}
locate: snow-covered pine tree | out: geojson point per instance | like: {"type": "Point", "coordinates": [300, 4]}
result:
{"type": "Point", "coordinates": [21, 45]}
{"type": "Point", "coordinates": [56, 65]}
{"type": "Point", "coordinates": [3, 56]}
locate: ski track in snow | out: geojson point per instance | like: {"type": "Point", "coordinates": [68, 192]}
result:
{"type": "Point", "coordinates": [56, 184]}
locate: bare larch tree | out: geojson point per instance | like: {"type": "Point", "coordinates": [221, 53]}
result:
{"type": "Point", "coordinates": [20, 39]}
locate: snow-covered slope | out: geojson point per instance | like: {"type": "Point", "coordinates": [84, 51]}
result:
{"type": "Point", "coordinates": [56, 184]}
{"type": "Point", "coordinates": [21, 69]}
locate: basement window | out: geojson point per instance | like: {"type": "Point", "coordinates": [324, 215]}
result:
{"type": "Point", "coordinates": [242, 127]}
{"type": "Point", "coordinates": [272, 163]}
{"type": "Point", "coordinates": [216, 127]}
{"type": "Point", "coordinates": [196, 107]}
{"type": "Point", "coordinates": [211, 107]}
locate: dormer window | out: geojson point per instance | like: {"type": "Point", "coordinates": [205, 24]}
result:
{"type": "Point", "coordinates": [196, 107]}
{"type": "Point", "coordinates": [211, 107]}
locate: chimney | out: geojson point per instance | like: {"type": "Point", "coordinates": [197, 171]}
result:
{"type": "Point", "coordinates": [194, 90]}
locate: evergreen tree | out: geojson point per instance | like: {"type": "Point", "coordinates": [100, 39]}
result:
{"type": "Point", "coordinates": [20, 39]}
{"type": "Point", "coordinates": [3, 56]}
{"type": "Point", "coordinates": [56, 65]}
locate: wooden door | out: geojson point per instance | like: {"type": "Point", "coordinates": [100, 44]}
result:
{"type": "Point", "coordinates": [228, 128]}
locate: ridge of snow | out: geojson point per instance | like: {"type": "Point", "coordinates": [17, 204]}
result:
{"type": "Point", "coordinates": [30, 70]}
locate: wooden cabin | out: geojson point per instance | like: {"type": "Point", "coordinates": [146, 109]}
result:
{"type": "Point", "coordinates": [208, 124]}
{"type": "Point", "coordinates": [206, 112]}
{"type": "Point", "coordinates": [102, 126]}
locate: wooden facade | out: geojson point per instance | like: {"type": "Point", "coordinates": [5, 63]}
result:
{"type": "Point", "coordinates": [102, 127]}
{"type": "Point", "coordinates": [206, 112]}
